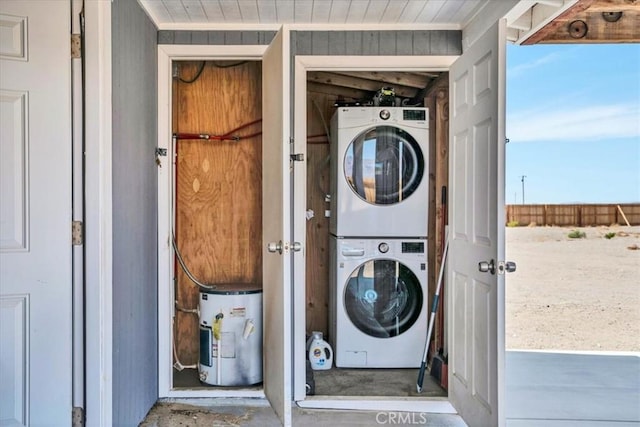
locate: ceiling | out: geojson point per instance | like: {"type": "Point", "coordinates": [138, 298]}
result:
{"type": "Point", "coordinates": [175, 12]}
{"type": "Point", "coordinates": [530, 21]}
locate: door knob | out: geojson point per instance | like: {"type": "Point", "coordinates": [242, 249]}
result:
{"type": "Point", "coordinates": [506, 267]}
{"type": "Point", "coordinates": [274, 247]}
{"type": "Point", "coordinates": [487, 267]}
{"type": "Point", "coordinates": [296, 246]}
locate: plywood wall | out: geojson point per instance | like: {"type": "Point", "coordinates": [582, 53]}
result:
{"type": "Point", "coordinates": [218, 186]}
{"type": "Point", "coordinates": [319, 105]}
{"type": "Point", "coordinates": [437, 99]}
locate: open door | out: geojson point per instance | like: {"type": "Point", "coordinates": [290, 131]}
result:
{"type": "Point", "coordinates": [35, 213]}
{"type": "Point", "coordinates": [476, 298]}
{"type": "Point", "coordinates": [276, 226]}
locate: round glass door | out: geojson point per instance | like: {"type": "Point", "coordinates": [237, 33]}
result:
{"type": "Point", "coordinates": [383, 298]}
{"type": "Point", "coordinates": [384, 165]}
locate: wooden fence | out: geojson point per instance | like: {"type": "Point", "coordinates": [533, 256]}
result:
{"type": "Point", "coordinates": [574, 215]}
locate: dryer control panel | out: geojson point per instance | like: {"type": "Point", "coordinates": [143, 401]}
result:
{"type": "Point", "coordinates": [387, 248]}
{"type": "Point", "coordinates": [420, 114]}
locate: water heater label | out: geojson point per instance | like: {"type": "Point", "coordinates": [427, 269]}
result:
{"type": "Point", "coordinates": [227, 346]}
{"type": "Point", "coordinates": [238, 312]}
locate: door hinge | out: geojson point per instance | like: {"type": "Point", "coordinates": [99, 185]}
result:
{"type": "Point", "coordinates": [77, 233]}
{"type": "Point", "coordinates": [298, 157]}
{"type": "Point", "coordinates": [77, 417]}
{"type": "Point", "coordinates": [76, 46]}
{"type": "Point", "coordinates": [160, 152]}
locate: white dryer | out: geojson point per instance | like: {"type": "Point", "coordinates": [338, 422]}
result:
{"type": "Point", "coordinates": [378, 302]}
{"type": "Point", "coordinates": [379, 172]}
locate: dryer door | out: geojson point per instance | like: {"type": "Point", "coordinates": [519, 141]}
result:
{"type": "Point", "coordinates": [384, 165]}
{"type": "Point", "coordinates": [383, 298]}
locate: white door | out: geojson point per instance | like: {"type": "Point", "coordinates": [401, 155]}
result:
{"type": "Point", "coordinates": [276, 227]}
{"type": "Point", "coordinates": [476, 299]}
{"type": "Point", "coordinates": [35, 213]}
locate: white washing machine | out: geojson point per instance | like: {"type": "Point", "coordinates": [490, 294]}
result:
{"type": "Point", "coordinates": [378, 302]}
{"type": "Point", "coordinates": [379, 172]}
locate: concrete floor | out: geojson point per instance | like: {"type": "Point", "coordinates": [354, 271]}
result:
{"type": "Point", "coordinates": [543, 389]}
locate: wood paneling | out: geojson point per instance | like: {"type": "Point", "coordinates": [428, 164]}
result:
{"type": "Point", "coordinates": [340, 12]}
{"type": "Point", "coordinates": [428, 42]}
{"type": "Point", "coordinates": [219, 187]}
{"type": "Point", "coordinates": [216, 37]}
{"type": "Point", "coordinates": [135, 212]}
{"type": "Point", "coordinates": [319, 105]}
{"type": "Point", "coordinates": [438, 102]}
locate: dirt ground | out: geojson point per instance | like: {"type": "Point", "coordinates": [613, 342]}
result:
{"type": "Point", "coordinates": [573, 293]}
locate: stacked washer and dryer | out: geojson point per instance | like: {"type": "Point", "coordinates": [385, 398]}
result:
{"type": "Point", "coordinates": [379, 205]}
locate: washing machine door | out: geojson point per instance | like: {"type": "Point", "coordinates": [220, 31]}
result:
{"type": "Point", "coordinates": [383, 298]}
{"type": "Point", "coordinates": [384, 165]}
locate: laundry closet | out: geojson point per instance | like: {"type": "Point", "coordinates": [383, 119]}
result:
{"type": "Point", "coordinates": [217, 199]}
{"type": "Point", "coordinates": [375, 226]}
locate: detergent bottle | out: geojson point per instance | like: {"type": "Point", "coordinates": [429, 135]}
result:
{"type": "Point", "coordinates": [320, 353]}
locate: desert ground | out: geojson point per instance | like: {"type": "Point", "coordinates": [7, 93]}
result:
{"type": "Point", "coordinates": [573, 293]}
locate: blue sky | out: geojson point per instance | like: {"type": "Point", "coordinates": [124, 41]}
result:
{"type": "Point", "coordinates": [573, 122]}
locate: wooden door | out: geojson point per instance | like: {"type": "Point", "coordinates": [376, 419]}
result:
{"type": "Point", "coordinates": [276, 226]}
{"type": "Point", "coordinates": [35, 213]}
{"type": "Point", "coordinates": [476, 218]}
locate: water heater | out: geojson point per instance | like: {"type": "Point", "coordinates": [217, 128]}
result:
{"type": "Point", "coordinates": [231, 335]}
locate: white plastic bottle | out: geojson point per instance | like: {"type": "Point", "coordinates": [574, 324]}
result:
{"type": "Point", "coordinates": [320, 353]}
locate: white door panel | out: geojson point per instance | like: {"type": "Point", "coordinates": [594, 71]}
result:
{"type": "Point", "coordinates": [276, 226]}
{"type": "Point", "coordinates": [35, 213]}
{"type": "Point", "coordinates": [476, 315]}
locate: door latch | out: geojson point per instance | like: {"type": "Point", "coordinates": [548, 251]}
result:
{"type": "Point", "coordinates": [285, 247]}
{"type": "Point", "coordinates": [503, 267]}
{"type": "Point", "coordinates": [506, 267]}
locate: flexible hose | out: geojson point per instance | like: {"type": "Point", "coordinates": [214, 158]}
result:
{"type": "Point", "coordinates": [184, 266]}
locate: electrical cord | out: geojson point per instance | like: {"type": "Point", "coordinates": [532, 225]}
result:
{"type": "Point", "coordinates": [215, 64]}
{"type": "Point", "coordinates": [325, 162]}
{"type": "Point", "coordinates": [196, 76]}
{"type": "Point", "coordinates": [177, 365]}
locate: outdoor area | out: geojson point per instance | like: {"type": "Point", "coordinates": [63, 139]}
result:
{"type": "Point", "coordinates": [574, 139]}
{"type": "Point", "coordinates": [573, 293]}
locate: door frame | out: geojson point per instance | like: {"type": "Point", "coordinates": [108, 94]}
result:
{"type": "Point", "coordinates": [98, 216]}
{"type": "Point", "coordinates": [302, 65]}
{"type": "Point", "coordinates": [166, 55]}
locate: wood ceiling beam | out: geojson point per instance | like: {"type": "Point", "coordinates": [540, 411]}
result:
{"type": "Point", "coordinates": [358, 83]}
{"type": "Point", "coordinates": [419, 81]}
{"type": "Point", "coordinates": [344, 92]}
{"type": "Point", "coordinates": [567, 27]}
{"type": "Point", "coordinates": [615, 6]}
{"type": "Point", "coordinates": [590, 27]}
{"type": "Point", "coordinates": [553, 26]}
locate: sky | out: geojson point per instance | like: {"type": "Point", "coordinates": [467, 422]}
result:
{"type": "Point", "coordinates": [573, 123]}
